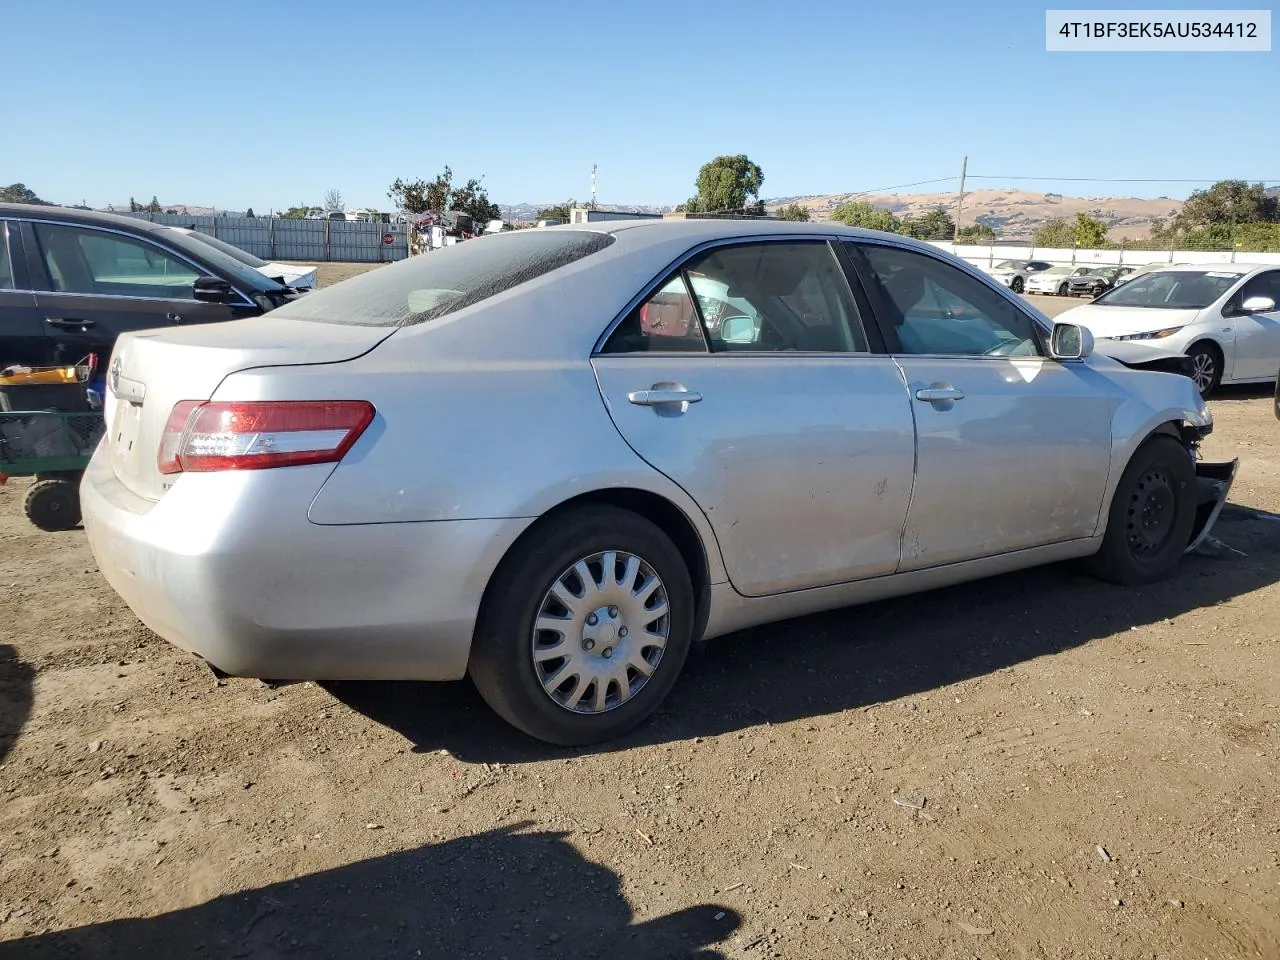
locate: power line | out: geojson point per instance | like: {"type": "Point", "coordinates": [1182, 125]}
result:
{"type": "Point", "coordinates": [900, 186]}
{"type": "Point", "coordinates": [991, 176]}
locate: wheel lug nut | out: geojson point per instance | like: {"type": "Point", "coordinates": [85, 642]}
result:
{"type": "Point", "coordinates": [592, 620]}
{"type": "Point", "coordinates": [608, 652]}
{"type": "Point", "coordinates": [588, 644]}
{"type": "Point", "coordinates": [613, 611]}
{"type": "Point", "coordinates": [622, 631]}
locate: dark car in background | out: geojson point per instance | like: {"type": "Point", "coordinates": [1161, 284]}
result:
{"type": "Point", "coordinates": [72, 281]}
{"type": "Point", "coordinates": [1096, 282]}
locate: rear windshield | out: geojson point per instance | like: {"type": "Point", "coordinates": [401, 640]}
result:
{"type": "Point", "coordinates": [431, 285]}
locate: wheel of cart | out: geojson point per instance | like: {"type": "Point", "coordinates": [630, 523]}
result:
{"type": "Point", "coordinates": [54, 448]}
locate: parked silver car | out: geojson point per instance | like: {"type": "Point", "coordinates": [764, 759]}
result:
{"type": "Point", "coordinates": [526, 458]}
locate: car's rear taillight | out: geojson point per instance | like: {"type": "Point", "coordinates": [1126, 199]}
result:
{"type": "Point", "coordinates": [206, 436]}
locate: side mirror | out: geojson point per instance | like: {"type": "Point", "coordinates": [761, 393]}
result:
{"type": "Point", "coordinates": [211, 290]}
{"type": "Point", "coordinates": [1258, 305]}
{"type": "Point", "coordinates": [738, 329]}
{"type": "Point", "coordinates": [1070, 342]}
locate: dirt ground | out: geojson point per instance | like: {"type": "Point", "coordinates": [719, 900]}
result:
{"type": "Point", "coordinates": [1035, 766]}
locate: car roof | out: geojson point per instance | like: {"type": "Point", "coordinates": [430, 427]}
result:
{"type": "Point", "coordinates": [1240, 268]}
{"type": "Point", "coordinates": [72, 215]}
{"type": "Point", "coordinates": [637, 234]}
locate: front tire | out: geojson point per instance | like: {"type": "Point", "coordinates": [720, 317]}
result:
{"type": "Point", "coordinates": [1151, 516]}
{"type": "Point", "coordinates": [585, 627]}
{"type": "Point", "coordinates": [1017, 286]}
{"type": "Point", "coordinates": [1206, 364]}
{"type": "Point", "coordinates": [1062, 289]}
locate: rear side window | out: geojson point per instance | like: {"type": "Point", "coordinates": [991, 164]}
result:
{"type": "Point", "coordinates": [432, 285]}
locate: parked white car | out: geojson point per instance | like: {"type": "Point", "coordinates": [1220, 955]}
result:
{"type": "Point", "coordinates": [1014, 273]}
{"type": "Point", "coordinates": [300, 276]}
{"type": "Point", "coordinates": [1224, 317]}
{"type": "Point", "coordinates": [1055, 280]}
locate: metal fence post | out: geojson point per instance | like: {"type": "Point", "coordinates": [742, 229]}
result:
{"type": "Point", "coordinates": [327, 244]}
{"type": "Point", "coordinates": [271, 238]}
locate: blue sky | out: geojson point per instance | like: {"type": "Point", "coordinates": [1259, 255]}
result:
{"type": "Point", "coordinates": [269, 104]}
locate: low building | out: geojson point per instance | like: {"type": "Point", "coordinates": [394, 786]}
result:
{"type": "Point", "coordinates": [589, 215]}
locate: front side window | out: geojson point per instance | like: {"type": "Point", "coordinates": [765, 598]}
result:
{"type": "Point", "coordinates": [1263, 285]}
{"type": "Point", "coordinates": [936, 308]}
{"type": "Point", "coordinates": [757, 297]}
{"type": "Point", "coordinates": [81, 260]}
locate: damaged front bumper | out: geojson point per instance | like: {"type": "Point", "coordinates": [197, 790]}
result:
{"type": "Point", "coordinates": [1213, 483]}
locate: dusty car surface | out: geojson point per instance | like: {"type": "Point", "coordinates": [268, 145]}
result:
{"type": "Point", "coordinates": [532, 459]}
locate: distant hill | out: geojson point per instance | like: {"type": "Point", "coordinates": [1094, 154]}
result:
{"type": "Point", "coordinates": [1012, 214]}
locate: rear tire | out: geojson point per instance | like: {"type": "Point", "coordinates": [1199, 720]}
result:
{"type": "Point", "coordinates": [602, 639]}
{"type": "Point", "coordinates": [1062, 289]}
{"type": "Point", "coordinates": [1017, 286]}
{"type": "Point", "coordinates": [1151, 516]}
{"type": "Point", "coordinates": [1206, 361]}
{"type": "Point", "coordinates": [53, 505]}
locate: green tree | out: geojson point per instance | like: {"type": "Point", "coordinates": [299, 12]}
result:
{"type": "Point", "coordinates": [1227, 202]}
{"type": "Point", "coordinates": [1091, 233]}
{"type": "Point", "coordinates": [296, 213]}
{"type": "Point", "coordinates": [728, 184]}
{"type": "Point", "coordinates": [249, 213]}
{"type": "Point", "coordinates": [1058, 232]}
{"type": "Point", "coordinates": [440, 194]}
{"type": "Point", "coordinates": [934, 225]}
{"type": "Point", "coordinates": [558, 212]}
{"type": "Point", "coordinates": [978, 233]}
{"type": "Point", "coordinates": [858, 213]}
{"type": "Point", "coordinates": [134, 206]}
{"type": "Point", "coordinates": [154, 206]}
{"type": "Point", "coordinates": [792, 211]}
{"type": "Point", "coordinates": [20, 193]}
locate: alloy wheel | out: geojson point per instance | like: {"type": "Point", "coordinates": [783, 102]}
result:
{"type": "Point", "coordinates": [1204, 370]}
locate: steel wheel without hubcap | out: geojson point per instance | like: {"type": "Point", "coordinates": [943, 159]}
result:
{"type": "Point", "coordinates": [600, 632]}
{"type": "Point", "coordinates": [1152, 512]}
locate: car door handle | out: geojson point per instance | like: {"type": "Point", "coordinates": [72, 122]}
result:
{"type": "Point", "coordinates": [656, 396]}
{"type": "Point", "coordinates": [61, 322]}
{"type": "Point", "coordinates": [939, 394]}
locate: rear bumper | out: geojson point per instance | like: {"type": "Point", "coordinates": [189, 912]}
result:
{"type": "Point", "coordinates": [228, 567]}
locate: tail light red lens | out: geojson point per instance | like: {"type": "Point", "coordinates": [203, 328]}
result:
{"type": "Point", "coordinates": [207, 436]}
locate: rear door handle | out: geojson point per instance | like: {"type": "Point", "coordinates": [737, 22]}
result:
{"type": "Point", "coordinates": [60, 322]}
{"type": "Point", "coordinates": [939, 394]}
{"type": "Point", "coordinates": [656, 396]}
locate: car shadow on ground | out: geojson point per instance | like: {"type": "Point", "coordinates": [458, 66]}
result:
{"type": "Point", "coordinates": [857, 656]}
{"type": "Point", "coordinates": [503, 893]}
{"type": "Point", "coordinates": [15, 697]}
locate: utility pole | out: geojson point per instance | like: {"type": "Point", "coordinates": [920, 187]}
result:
{"type": "Point", "coordinates": [964, 168]}
{"type": "Point", "coordinates": [593, 186]}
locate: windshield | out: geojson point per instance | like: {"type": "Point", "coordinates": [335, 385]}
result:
{"type": "Point", "coordinates": [1171, 290]}
{"type": "Point", "coordinates": [1010, 265]}
{"type": "Point", "coordinates": [1057, 271]}
{"type": "Point", "coordinates": [244, 256]}
{"type": "Point", "coordinates": [434, 284]}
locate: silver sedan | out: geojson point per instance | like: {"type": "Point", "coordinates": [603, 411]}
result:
{"type": "Point", "coordinates": [554, 459]}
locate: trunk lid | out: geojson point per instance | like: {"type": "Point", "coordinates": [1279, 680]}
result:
{"type": "Point", "coordinates": [151, 371]}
